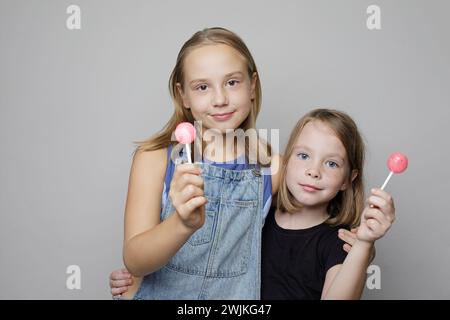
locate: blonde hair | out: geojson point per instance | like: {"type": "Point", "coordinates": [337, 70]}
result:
{"type": "Point", "coordinates": [346, 207]}
{"type": "Point", "coordinates": [206, 36]}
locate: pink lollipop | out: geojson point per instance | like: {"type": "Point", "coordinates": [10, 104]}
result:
{"type": "Point", "coordinates": [185, 134]}
{"type": "Point", "coordinates": [397, 163]}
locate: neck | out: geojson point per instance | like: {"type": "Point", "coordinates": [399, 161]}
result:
{"type": "Point", "coordinates": [221, 150]}
{"type": "Point", "coordinates": [306, 217]}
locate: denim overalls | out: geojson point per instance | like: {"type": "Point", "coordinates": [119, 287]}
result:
{"type": "Point", "coordinates": [221, 260]}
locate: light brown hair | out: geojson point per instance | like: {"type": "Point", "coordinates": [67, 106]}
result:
{"type": "Point", "coordinates": [346, 207]}
{"type": "Point", "coordinates": [208, 36]}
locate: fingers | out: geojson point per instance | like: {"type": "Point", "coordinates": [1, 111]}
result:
{"type": "Point", "coordinates": [186, 174]}
{"type": "Point", "coordinates": [372, 230]}
{"type": "Point", "coordinates": [186, 168]}
{"type": "Point", "coordinates": [347, 247]}
{"type": "Point", "coordinates": [119, 280]}
{"type": "Point", "coordinates": [186, 185]}
{"type": "Point", "coordinates": [120, 274]}
{"type": "Point", "coordinates": [347, 236]}
{"type": "Point", "coordinates": [375, 214]}
{"type": "Point", "coordinates": [189, 192]}
{"type": "Point", "coordinates": [375, 227]}
{"type": "Point", "coordinates": [382, 204]}
{"type": "Point", "coordinates": [382, 200]}
{"type": "Point", "coordinates": [188, 179]}
{"type": "Point", "coordinates": [377, 192]}
{"type": "Point", "coordinates": [382, 194]}
{"type": "Point", "coordinates": [187, 195]}
{"type": "Point", "coordinates": [188, 200]}
{"type": "Point", "coordinates": [120, 283]}
{"type": "Point", "coordinates": [194, 203]}
{"type": "Point", "coordinates": [117, 292]}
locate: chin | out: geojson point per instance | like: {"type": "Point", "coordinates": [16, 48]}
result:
{"type": "Point", "coordinates": [306, 200]}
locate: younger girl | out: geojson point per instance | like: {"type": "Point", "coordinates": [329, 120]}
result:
{"type": "Point", "coordinates": [321, 189]}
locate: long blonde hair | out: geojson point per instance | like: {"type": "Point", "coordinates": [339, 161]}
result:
{"type": "Point", "coordinates": [206, 36]}
{"type": "Point", "coordinates": [346, 207]}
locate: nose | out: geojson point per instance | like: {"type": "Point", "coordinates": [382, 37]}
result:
{"type": "Point", "coordinates": [219, 98]}
{"type": "Point", "coordinates": [313, 173]}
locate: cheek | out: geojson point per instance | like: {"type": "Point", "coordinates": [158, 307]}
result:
{"type": "Point", "coordinates": [292, 172]}
{"type": "Point", "coordinates": [198, 104]}
{"type": "Point", "coordinates": [337, 179]}
{"type": "Point", "coordinates": [241, 98]}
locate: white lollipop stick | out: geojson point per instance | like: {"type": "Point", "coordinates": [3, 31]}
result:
{"type": "Point", "coordinates": [387, 180]}
{"type": "Point", "coordinates": [188, 152]}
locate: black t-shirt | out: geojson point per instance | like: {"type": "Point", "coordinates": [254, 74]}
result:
{"type": "Point", "coordinates": [295, 262]}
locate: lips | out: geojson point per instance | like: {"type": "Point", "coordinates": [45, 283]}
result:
{"type": "Point", "coordinates": [309, 188]}
{"type": "Point", "coordinates": [222, 116]}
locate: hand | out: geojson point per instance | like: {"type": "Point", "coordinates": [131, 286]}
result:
{"type": "Point", "coordinates": [187, 196]}
{"type": "Point", "coordinates": [377, 218]}
{"type": "Point", "coordinates": [119, 280]}
{"type": "Point", "coordinates": [350, 238]}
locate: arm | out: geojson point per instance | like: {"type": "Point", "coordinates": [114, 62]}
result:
{"type": "Point", "coordinates": [148, 242]}
{"type": "Point", "coordinates": [346, 281]}
{"type": "Point", "coordinates": [350, 238]}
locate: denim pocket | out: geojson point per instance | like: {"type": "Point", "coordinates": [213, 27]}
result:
{"type": "Point", "coordinates": [204, 234]}
{"type": "Point", "coordinates": [235, 237]}
{"type": "Point", "coordinates": [192, 258]}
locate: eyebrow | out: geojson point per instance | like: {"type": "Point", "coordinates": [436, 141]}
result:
{"type": "Point", "coordinates": [234, 73]}
{"type": "Point", "coordinates": [330, 155]}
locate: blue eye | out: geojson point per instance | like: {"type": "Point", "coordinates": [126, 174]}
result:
{"type": "Point", "coordinates": [302, 156]}
{"type": "Point", "coordinates": [332, 164]}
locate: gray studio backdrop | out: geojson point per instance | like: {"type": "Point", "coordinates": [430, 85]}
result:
{"type": "Point", "coordinates": [73, 101]}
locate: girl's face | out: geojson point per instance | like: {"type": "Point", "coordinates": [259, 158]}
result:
{"type": "Point", "coordinates": [318, 166]}
{"type": "Point", "coordinates": [217, 87]}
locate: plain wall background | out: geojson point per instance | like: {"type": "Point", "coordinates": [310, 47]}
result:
{"type": "Point", "coordinates": [72, 103]}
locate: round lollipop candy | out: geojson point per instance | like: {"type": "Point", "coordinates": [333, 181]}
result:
{"type": "Point", "coordinates": [397, 163]}
{"type": "Point", "coordinates": [185, 134]}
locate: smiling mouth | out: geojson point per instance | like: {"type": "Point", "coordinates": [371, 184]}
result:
{"type": "Point", "coordinates": [222, 116]}
{"type": "Point", "coordinates": [309, 188]}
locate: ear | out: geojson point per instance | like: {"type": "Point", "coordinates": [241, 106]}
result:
{"type": "Point", "coordinates": [352, 178]}
{"type": "Point", "coordinates": [253, 85]}
{"type": "Point", "coordinates": [183, 96]}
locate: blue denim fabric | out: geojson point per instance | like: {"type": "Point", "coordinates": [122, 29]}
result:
{"type": "Point", "coordinates": [221, 260]}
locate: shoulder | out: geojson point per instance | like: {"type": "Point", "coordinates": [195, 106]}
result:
{"type": "Point", "coordinates": [150, 161]}
{"type": "Point", "coordinates": [275, 170]}
{"type": "Point", "coordinates": [148, 167]}
{"type": "Point", "coordinates": [144, 191]}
